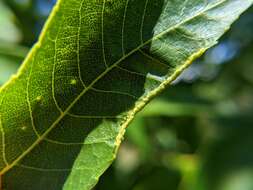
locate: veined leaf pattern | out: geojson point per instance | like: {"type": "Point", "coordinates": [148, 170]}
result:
{"type": "Point", "coordinates": [96, 64]}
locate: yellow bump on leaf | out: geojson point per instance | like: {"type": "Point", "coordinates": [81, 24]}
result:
{"type": "Point", "coordinates": [39, 98]}
{"type": "Point", "coordinates": [23, 128]}
{"type": "Point", "coordinates": [73, 82]}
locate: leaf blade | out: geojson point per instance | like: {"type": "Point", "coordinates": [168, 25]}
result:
{"type": "Point", "coordinates": [70, 95]}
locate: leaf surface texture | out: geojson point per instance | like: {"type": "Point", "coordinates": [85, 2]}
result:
{"type": "Point", "coordinates": [96, 64]}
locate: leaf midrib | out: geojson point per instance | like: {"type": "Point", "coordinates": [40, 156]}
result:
{"type": "Point", "coordinates": [63, 114]}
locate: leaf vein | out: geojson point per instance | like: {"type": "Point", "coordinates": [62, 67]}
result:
{"type": "Point", "coordinates": [3, 136]}
{"type": "Point", "coordinates": [123, 29]}
{"type": "Point", "coordinates": [28, 99]}
{"type": "Point", "coordinates": [78, 44]}
{"type": "Point", "coordinates": [102, 34]}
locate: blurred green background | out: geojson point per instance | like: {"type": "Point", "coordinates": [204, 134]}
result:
{"type": "Point", "coordinates": [197, 135]}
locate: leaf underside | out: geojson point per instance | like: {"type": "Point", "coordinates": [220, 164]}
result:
{"type": "Point", "coordinates": [96, 64]}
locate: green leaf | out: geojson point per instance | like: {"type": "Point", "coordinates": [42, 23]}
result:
{"type": "Point", "coordinates": [96, 64]}
{"type": "Point", "coordinates": [8, 66]}
{"type": "Point", "coordinates": [8, 31]}
{"type": "Point", "coordinates": [11, 56]}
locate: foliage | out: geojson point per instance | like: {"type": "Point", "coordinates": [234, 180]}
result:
{"type": "Point", "coordinates": [107, 95]}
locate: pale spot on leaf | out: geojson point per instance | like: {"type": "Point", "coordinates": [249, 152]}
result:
{"type": "Point", "coordinates": [73, 82]}
{"type": "Point", "coordinates": [24, 128]}
{"type": "Point", "coordinates": [39, 98]}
